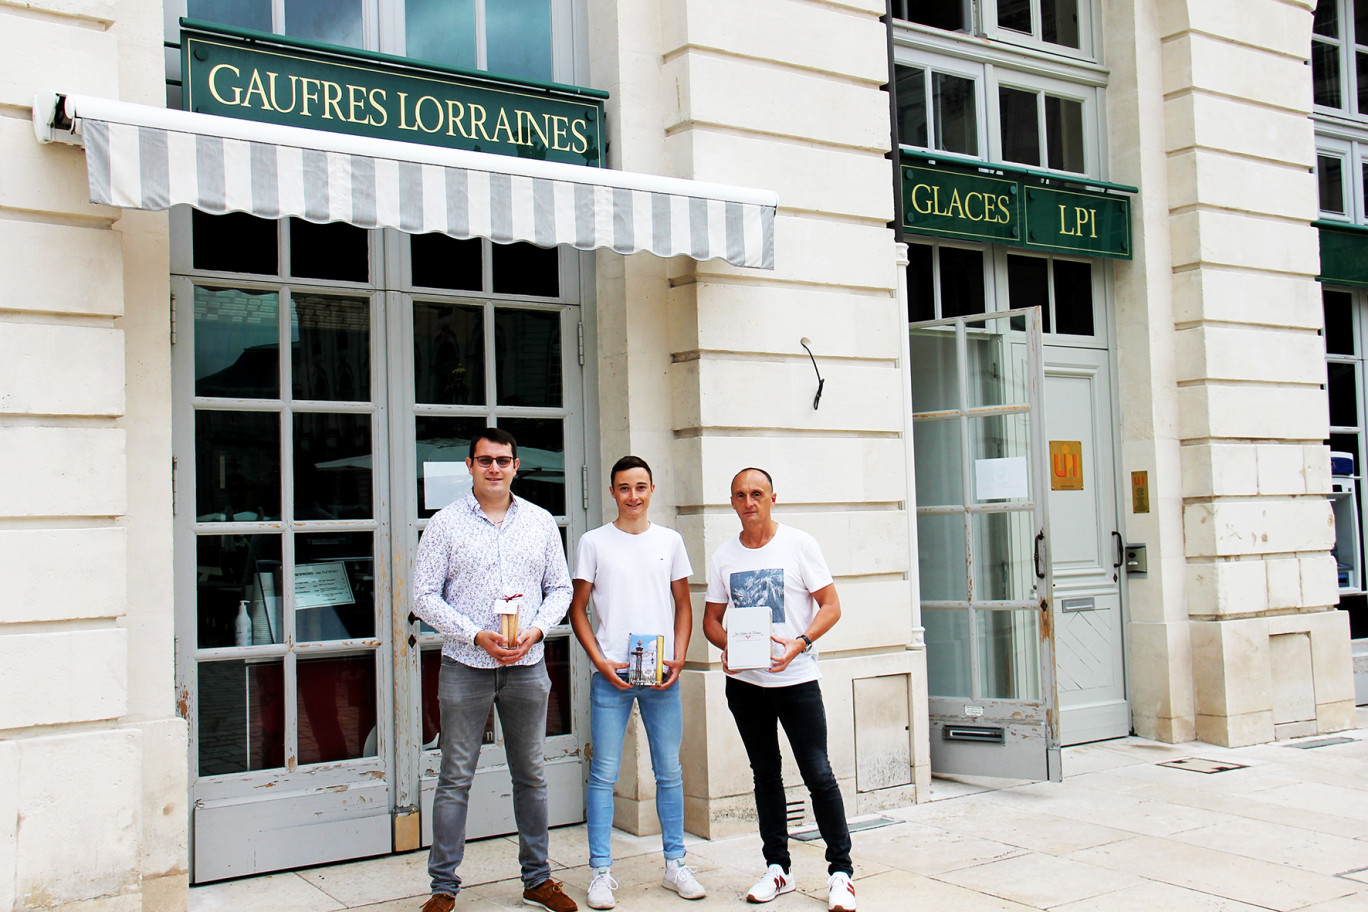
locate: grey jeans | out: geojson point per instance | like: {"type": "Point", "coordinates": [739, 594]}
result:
{"type": "Point", "coordinates": [466, 694]}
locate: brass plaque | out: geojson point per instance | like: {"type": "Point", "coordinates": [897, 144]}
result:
{"type": "Point", "coordinates": [1066, 465]}
{"type": "Point", "coordinates": [1139, 492]}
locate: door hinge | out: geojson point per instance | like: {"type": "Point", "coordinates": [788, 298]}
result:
{"type": "Point", "coordinates": [173, 318]}
{"type": "Point", "coordinates": [579, 333]}
{"type": "Point", "coordinates": [584, 486]}
{"type": "Point", "coordinates": [173, 485]}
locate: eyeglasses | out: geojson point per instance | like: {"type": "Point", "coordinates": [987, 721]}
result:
{"type": "Point", "coordinates": [485, 462]}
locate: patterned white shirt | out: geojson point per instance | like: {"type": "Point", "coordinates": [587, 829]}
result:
{"type": "Point", "coordinates": [465, 562]}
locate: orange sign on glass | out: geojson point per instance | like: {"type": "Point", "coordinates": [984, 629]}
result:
{"type": "Point", "coordinates": [1066, 465]}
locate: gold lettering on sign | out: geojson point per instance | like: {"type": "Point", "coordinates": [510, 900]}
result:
{"type": "Point", "coordinates": [275, 102]}
{"type": "Point", "coordinates": [974, 206]}
{"type": "Point", "coordinates": [213, 84]}
{"type": "Point", "coordinates": [1082, 220]}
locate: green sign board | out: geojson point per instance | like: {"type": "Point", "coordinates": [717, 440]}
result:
{"type": "Point", "coordinates": [295, 84]}
{"type": "Point", "coordinates": [1343, 255]}
{"type": "Point", "coordinates": [961, 203]}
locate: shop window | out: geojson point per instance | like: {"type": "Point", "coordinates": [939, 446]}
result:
{"type": "Point", "coordinates": [1058, 145]}
{"type": "Point", "coordinates": [525, 269]}
{"type": "Point", "coordinates": [1052, 24]}
{"type": "Point", "coordinates": [939, 112]}
{"type": "Point", "coordinates": [951, 16]}
{"type": "Point", "coordinates": [442, 261]}
{"type": "Point", "coordinates": [945, 281]}
{"type": "Point", "coordinates": [236, 242]}
{"type": "Point", "coordinates": [516, 38]}
{"type": "Point", "coordinates": [1339, 56]}
{"type": "Point", "coordinates": [1344, 321]}
{"type": "Point", "coordinates": [336, 251]}
{"type": "Point", "coordinates": [1330, 184]}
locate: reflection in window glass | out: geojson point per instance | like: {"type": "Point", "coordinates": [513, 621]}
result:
{"type": "Point", "coordinates": [1327, 18]}
{"type": "Point", "coordinates": [1028, 285]}
{"type": "Point", "coordinates": [334, 586]}
{"type": "Point", "coordinates": [933, 371]}
{"type": "Point", "coordinates": [1003, 556]}
{"type": "Point", "coordinates": [1014, 15]}
{"type": "Point", "coordinates": [527, 351]}
{"type": "Point", "coordinates": [336, 702]}
{"type": "Point", "coordinates": [442, 261]}
{"type": "Point", "coordinates": [332, 251]}
{"type": "Point", "coordinates": [250, 14]}
{"type": "Point", "coordinates": [1342, 384]}
{"type": "Point", "coordinates": [330, 341]}
{"type": "Point", "coordinates": [1339, 322]}
{"type": "Point", "coordinates": [944, 14]}
{"type": "Point", "coordinates": [1361, 65]}
{"type": "Point", "coordinates": [1073, 298]}
{"type": "Point", "coordinates": [1020, 126]}
{"type": "Point", "coordinates": [230, 570]}
{"type": "Point", "coordinates": [332, 466]}
{"type": "Point", "coordinates": [329, 21]}
{"type": "Point", "coordinates": [237, 343]}
{"type": "Point", "coordinates": [941, 558]}
{"type": "Point", "coordinates": [448, 354]}
{"type": "Point", "coordinates": [237, 466]}
{"type": "Point", "coordinates": [911, 94]}
{"type": "Point", "coordinates": [442, 445]}
{"type": "Point", "coordinates": [558, 668]}
{"type": "Point", "coordinates": [541, 458]}
{"type": "Point", "coordinates": [956, 114]}
{"type": "Point", "coordinates": [518, 39]}
{"type": "Point", "coordinates": [234, 242]}
{"type": "Point", "coordinates": [1009, 656]}
{"type": "Point", "coordinates": [1330, 183]}
{"type": "Point", "coordinates": [947, 652]}
{"type": "Point", "coordinates": [940, 473]}
{"type": "Point", "coordinates": [442, 31]}
{"type": "Point", "coordinates": [921, 286]}
{"type": "Point", "coordinates": [525, 269]}
{"type": "Point", "coordinates": [1325, 74]}
{"type": "Point", "coordinates": [961, 282]}
{"type": "Point", "coordinates": [1059, 22]}
{"type": "Point", "coordinates": [241, 713]}
{"type": "Point", "coordinates": [1064, 134]}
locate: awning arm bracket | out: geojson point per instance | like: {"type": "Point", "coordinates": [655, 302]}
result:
{"type": "Point", "coordinates": [50, 121]}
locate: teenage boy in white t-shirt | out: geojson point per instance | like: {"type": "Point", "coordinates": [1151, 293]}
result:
{"type": "Point", "coordinates": [638, 573]}
{"type": "Point", "coordinates": [781, 568]}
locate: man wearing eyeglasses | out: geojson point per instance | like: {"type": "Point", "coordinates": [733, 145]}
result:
{"type": "Point", "coordinates": [491, 554]}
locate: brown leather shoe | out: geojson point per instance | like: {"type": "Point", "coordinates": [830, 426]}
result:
{"type": "Point", "coordinates": [549, 895]}
{"type": "Point", "coordinates": [439, 902]}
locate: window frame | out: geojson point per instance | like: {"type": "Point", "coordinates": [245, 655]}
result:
{"type": "Point", "coordinates": [982, 16]}
{"type": "Point", "coordinates": [1347, 46]}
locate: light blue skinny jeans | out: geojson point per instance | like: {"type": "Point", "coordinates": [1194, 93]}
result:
{"type": "Point", "coordinates": [663, 714]}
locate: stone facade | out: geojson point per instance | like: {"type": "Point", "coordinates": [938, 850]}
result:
{"type": "Point", "coordinates": [93, 753]}
{"type": "Point", "coordinates": [1232, 637]}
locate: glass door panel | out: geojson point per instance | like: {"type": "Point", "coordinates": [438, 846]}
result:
{"type": "Point", "coordinates": [982, 544]}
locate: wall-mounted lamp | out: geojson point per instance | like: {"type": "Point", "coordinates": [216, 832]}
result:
{"type": "Point", "coordinates": [805, 342]}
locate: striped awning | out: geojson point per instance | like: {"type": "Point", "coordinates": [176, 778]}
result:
{"type": "Point", "coordinates": [141, 157]}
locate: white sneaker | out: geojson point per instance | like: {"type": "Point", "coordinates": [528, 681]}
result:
{"type": "Point", "coordinates": [775, 882]}
{"type": "Point", "coordinates": [601, 888]}
{"type": "Point", "coordinates": [840, 893]}
{"type": "Point", "coordinates": [680, 878]}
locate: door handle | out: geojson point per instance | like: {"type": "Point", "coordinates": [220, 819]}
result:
{"type": "Point", "coordinates": [1039, 540]}
{"type": "Point", "coordinates": [1120, 555]}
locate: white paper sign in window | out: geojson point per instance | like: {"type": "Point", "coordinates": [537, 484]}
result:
{"type": "Point", "coordinates": [1001, 479]}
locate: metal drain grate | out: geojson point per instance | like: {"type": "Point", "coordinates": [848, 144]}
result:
{"type": "Point", "coordinates": [1322, 742]}
{"type": "Point", "coordinates": [795, 812]}
{"type": "Point", "coordinates": [1200, 765]}
{"type": "Point", "coordinates": [811, 834]}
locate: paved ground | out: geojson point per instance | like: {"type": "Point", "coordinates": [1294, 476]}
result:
{"type": "Point", "coordinates": [1287, 831]}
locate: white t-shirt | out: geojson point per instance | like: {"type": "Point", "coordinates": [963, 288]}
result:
{"type": "Point", "coordinates": [781, 575]}
{"type": "Point", "coordinates": [632, 576]}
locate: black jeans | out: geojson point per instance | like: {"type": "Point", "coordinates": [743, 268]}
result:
{"type": "Point", "coordinates": [758, 712]}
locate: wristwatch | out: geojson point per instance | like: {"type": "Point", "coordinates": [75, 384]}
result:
{"type": "Point", "coordinates": [805, 639]}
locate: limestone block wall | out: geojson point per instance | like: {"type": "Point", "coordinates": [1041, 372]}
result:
{"type": "Point", "coordinates": [783, 95]}
{"type": "Point", "coordinates": [1240, 388]}
{"type": "Point", "coordinates": [91, 751]}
